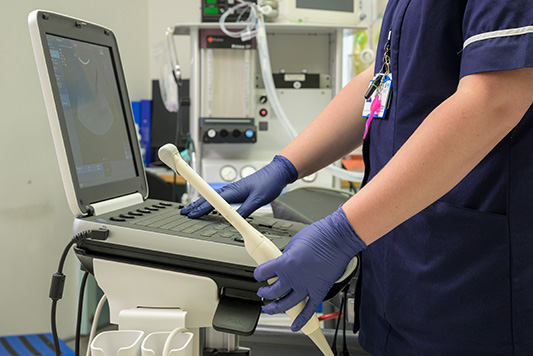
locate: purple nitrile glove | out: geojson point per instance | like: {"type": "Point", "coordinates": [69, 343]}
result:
{"type": "Point", "coordinates": [254, 191]}
{"type": "Point", "coordinates": [311, 263]}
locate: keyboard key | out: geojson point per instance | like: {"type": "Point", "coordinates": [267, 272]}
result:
{"type": "Point", "coordinates": [285, 225]}
{"type": "Point", "coordinates": [267, 223]}
{"type": "Point", "coordinates": [183, 226]}
{"type": "Point", "coordinates": [192, 229]}
{"type": "Point", "coordinates": [171, 225]}
{"type": "Point", "coordinates": [162, 222]}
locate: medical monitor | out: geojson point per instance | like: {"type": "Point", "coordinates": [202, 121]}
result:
{"type": "Point", "coordinates": [332, 12]}
{"type": "Point", "coordinates": [89, 109]}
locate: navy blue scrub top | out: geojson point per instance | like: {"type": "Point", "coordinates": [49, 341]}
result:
{"type": "Point", "coordinates": [456, 279]}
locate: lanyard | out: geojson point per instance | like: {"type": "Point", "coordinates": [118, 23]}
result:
{"type": "Point", "coordinates": [379, 92]}
{"type": "Point", "coordinates": [385, 67]}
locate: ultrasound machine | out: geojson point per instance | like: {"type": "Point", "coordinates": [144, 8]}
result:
{"type": "Point", "coordinates": [158, 269]}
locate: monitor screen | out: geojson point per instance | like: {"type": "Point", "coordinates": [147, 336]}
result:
{"type": "Point", "coordinates": [330, 5]}
{"type": "Point", "coordinates": [94, 115]}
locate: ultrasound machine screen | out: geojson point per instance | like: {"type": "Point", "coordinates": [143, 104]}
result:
{"type": "Point", "coordinates": [94, 115]}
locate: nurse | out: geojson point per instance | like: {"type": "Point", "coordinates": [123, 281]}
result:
{"type": "Point", "coordinates": [443, 223]}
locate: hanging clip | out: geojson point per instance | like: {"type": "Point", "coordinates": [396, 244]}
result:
{"type": "Point", "coordinates": [376, 83]}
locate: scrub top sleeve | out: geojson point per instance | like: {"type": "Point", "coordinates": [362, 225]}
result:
{"type": "Point", "coordinates": [498, 35]}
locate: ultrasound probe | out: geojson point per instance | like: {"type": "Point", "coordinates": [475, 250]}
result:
{"type": "Point", "coordinates": [260, 248]}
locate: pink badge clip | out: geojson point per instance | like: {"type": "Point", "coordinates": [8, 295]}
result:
{"type": "Point", "coordinates": [374, 107]}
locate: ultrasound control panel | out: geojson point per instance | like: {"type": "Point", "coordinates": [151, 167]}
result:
{"type": "Point", "coordinates": [154, 233]}
{"type": "Point", "coordinates": [165, 217]}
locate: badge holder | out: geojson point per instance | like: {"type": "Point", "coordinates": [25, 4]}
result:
{"type": "Point", "coordinates": [378, 102]}
{"type": "Point", "coordinates": [379, 92]}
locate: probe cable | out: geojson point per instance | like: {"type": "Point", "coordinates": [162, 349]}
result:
{"type": "Point", "coordinates": [58, 279]}
{"type": "Point", "coordinates": [171, 336]}
{"type": "Point", "coordinates": [94, 326]}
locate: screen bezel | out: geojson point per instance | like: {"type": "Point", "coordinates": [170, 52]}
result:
{"type": "Point", "coordinates": [69, 28]}
{"type": "Point", "coordinates": [319, 16]}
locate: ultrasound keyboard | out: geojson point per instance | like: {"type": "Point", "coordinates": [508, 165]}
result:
{"type": "Point", "coordinates": [155, 233]}
{"type": "Point", "coordinates": [165, 217]}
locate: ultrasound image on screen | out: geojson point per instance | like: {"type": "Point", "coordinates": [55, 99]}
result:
{"type": "Point", "coordinates": [93, 110]}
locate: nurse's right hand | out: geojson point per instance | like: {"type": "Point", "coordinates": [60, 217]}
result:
{"type": "Point", "coordinates": [254, 191]}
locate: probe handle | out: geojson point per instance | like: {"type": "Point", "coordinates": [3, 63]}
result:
{"type": "Point", "coordinates": [256, 244]}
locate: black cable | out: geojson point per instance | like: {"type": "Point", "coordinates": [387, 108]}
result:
{"type": "Point", "coordinates": [334, 342]}
{"type": "Point", "coordinates": [80, 312]}
{"type": "Point", "coordinates": [56, 291]}
{"type": "Point", "coordinates": [344, 346]}
{"type": "Point", "coordinates": [58, 279]}
{"type": "Point", "coordinates": [54, 328]}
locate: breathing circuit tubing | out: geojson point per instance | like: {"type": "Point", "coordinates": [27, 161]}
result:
{"type": "Point", "coordinates": [255, 27]}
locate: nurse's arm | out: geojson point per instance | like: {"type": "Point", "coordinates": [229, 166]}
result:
{"type": "Point", "coordinates": [335, 132]}
{"type": "Point", "coordinates": [451, 141]}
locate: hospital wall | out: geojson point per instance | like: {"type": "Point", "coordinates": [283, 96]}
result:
{"type": "Point", "coordinates": [35, 221]}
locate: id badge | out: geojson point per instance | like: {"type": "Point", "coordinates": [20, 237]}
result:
{"type": "Point", "coordinates": [384, 92]}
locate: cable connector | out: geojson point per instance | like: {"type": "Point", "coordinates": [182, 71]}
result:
{"type": "Point", "coordinates": [80, 236]}
{"type": "Point", "coordinates": [57, 285]}
{"type": "Point", "coordinates": [100, 234]}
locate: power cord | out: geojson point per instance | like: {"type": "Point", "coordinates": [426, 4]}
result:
{"type": "Point", "coordinates": [58, 279]}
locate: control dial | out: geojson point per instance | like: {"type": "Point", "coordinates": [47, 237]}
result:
{"type": "Point", "coordinates": [247, 170]}
{"type": "Point", "coordinates": [228, 173]}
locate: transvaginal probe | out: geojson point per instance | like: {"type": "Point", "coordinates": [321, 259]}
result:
{"type": "Point", "coordinates": [260, 248]}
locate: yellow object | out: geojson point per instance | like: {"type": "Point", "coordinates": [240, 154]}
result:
{"type": "Point", "coordinates": [360, 40]}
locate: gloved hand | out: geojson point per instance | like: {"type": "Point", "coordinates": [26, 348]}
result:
{"type": "Point", "coordinates": [310, 264]}
{"type": "Point", "coordinates": [254, 191]}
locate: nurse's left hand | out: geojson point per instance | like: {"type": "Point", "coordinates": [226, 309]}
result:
{"type": "Point", "coordinates": [309, 266]}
